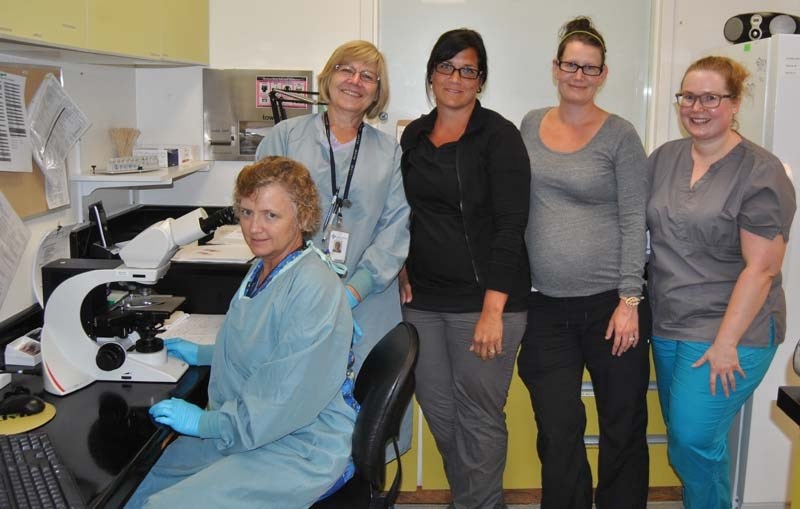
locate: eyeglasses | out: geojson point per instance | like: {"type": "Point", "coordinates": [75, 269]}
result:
{"type": "Point", "coordinates": [446, 68]}
{"type": "Point", "coordinates": [349, 72]}
{"type": "Point", "coordinates": [588, 70]}
{"type": "Point", "coordinates": [710, 101]}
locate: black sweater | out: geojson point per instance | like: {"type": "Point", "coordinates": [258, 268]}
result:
{"type": "Point", "coordinates": [493, 184]}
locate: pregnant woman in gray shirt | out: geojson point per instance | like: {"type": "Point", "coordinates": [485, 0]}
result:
{"type": "Point", "coordinates": [586, 245]}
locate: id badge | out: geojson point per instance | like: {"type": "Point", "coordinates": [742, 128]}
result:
{"type": "Point", "coordinates": [337, 244]}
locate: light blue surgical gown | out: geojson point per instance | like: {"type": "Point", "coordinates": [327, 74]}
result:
{"type": "Point", "coordinates": [275, 396]}
{"type": "Point", "coordinates": [377, 220]}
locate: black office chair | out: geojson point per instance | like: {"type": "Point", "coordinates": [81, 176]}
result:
{"type": "Point", "coordinates": [383, 388]}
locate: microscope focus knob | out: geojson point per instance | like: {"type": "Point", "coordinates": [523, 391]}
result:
{"type": "Point", "coordinates": [152, 344]}
{"type": "Point", "coordinates": [110, 356]}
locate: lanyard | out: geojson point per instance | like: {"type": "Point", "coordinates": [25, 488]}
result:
{"type": "Point", "coordinates": [253, 288]}
{"type": "Point", "coordinates": [342, 200]}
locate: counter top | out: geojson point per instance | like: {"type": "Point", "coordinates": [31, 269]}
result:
{"type": "Point", "coordinates": [789, 402]}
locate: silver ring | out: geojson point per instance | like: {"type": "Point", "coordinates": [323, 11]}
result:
{"type": "Point", "coordinates": [632, 340]}
{"type": "Point", "coordinates": [492, 352]}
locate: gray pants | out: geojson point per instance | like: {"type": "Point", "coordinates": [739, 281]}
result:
{"type": "Point", "coordinates": [463, 398]}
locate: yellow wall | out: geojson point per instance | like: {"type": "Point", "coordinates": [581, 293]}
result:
{"type": "Point", "coordinates": [523, 470]}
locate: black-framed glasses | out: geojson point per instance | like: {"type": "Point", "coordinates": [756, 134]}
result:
{"type": "Point", "coordinates": [588, 70]}
{"type": "Point", "coordinates": [710, 101]}
{"type": "Point", "coordinates": [446, 68]}
{"type": "Point", "coordinates": [350, 72]}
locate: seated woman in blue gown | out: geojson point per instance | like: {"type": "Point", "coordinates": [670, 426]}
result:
{"type": "Point", "coordinates": [278, 426]}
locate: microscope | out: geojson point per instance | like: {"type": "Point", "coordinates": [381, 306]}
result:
{"type": "Point", "coordinates": [71, 359]}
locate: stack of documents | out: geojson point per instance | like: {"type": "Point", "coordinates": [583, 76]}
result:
{"type": "Point", "coordinates": [231, 253]}
{"type": "Point", "coordinates": [201, 329]}
{"type": "Point", "coordinates": [25, 350]}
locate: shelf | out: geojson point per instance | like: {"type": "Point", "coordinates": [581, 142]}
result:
{"type": "Point", "coordinates": [24, 48]}
{"type": "Point", "coordinates": [86, 183]}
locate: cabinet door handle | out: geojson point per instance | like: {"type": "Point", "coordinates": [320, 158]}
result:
{"type": "Point", "coordinates": [67, 25]}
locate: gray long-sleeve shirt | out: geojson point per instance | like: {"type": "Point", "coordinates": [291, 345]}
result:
{"type": "Point", "coordinates": [586, 229]}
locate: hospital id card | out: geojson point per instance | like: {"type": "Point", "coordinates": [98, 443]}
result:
{"type": "Point", "coordinates": [337, 245]}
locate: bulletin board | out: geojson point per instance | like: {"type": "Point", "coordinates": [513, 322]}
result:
{"type": "Point", "coordinates": [25, 190]}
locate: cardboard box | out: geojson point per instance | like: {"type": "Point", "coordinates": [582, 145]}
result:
{"type": "Point", "coordinates": [25, 350]}
{"type": "Point", "coordinates": [166, 157]}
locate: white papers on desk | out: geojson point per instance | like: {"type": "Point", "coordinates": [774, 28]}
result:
{"type": "Point", "coordinates": [228, 234]}
{"type": "Point", "coordinates": [201, 329]}
{"type": "Point", "coordinates": [15, 145]}
{"type": "Point", "coordinates": [15, 237]}
{"type": "Point", "coordinates": [231, 253]}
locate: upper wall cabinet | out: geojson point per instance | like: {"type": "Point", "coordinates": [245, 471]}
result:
{"type": "Point", "coordinates": [185, 30]}
{"type": "Point", "coordinates": [169, 31]}
{"type": "Point", "coordinates": [45, 21]}
{"type": "Point", "coordinates": [122, 26]}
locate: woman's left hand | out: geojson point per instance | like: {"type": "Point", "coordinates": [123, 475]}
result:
{"type": "Point", "coordinates": [623, 328]}
{"type": "Point", "coordinates": [180, 415]}
{"type": "Point", "coordinates": [487, 340]}
{"type": "Point", "coordinates": [724, 362]}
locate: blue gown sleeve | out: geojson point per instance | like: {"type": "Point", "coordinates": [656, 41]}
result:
{"type": "Point", "coordinates": [381, 261]}
{"type": "Point", "coordinates": [289, 391]}
{"type": "Point", "coordinates": [275, 143]}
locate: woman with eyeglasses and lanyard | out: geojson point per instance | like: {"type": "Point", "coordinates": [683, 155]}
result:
{"type": "Point", "coordinates": [466, 279]}
{"type": "Point", "coordinates": [357, 171]}
{"type": "Point", "coordinates": [586, 244]}
{"type": "Point", "coordinates": [719, 214]}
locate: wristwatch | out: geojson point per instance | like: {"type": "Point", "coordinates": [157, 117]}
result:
{"type": "Point", "coordinates": [632, 301]}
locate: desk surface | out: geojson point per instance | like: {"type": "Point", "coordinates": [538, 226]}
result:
{"type": "Point", "coordinates": [789, 402]}
{"type": "Point", "coordinates": [105, 436]}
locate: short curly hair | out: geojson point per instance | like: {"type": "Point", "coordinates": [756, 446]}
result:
{"type": "Point", "coordinates": [293, 177]}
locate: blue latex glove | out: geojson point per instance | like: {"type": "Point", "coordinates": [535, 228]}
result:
{"type": "Point", "coordinates": [183, 350]}
{"type": "Point", "coordinates": [179, 415]}
{"type": "Point", "coordinates": [351, 299]}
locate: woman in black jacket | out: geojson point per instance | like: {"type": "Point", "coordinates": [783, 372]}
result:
{"type": "Point", "coordinates": [467, 178]}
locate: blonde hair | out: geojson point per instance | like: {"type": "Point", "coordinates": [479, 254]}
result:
{"type": "Point", "coordinates": [357, 51]}
{"type": "Point", "coordinates": [293, 177]}
{"type": "Point", "coordinates": [731, 71]}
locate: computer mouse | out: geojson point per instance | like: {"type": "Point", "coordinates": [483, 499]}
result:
{"type": "Point", "coordinates": [21, 404]}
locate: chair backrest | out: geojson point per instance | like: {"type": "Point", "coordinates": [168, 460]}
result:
{"type": "Point", "coordinates": [384, 388]}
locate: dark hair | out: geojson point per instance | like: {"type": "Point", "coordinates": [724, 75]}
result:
{"type": "Point", "coordinates": [453, 42]}
{"type": "Point", "coordinates": [581, 29]}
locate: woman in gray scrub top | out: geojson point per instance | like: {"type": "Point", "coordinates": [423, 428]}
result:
{"type": "Point", "coordinates": [719, 215]}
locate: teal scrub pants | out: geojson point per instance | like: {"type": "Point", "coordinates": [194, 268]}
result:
{"type": "Point", "coordinates": [697, 422]}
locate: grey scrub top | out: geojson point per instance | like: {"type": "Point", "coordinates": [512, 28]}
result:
{"type": "Point", "coordinates": [694, 233]}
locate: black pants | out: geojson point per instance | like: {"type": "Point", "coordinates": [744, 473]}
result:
{"type": "Point", "coordinates": [563, 336]}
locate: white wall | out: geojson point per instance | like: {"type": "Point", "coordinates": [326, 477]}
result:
{"type": "Point", "coordinates": [689, 29]}
{"type": "Point", "coordinates": [245, 34]}
{"type": "Point", "coordinates": [521, 43]}
{"type": "Point", "coordinates": [107, 96]}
